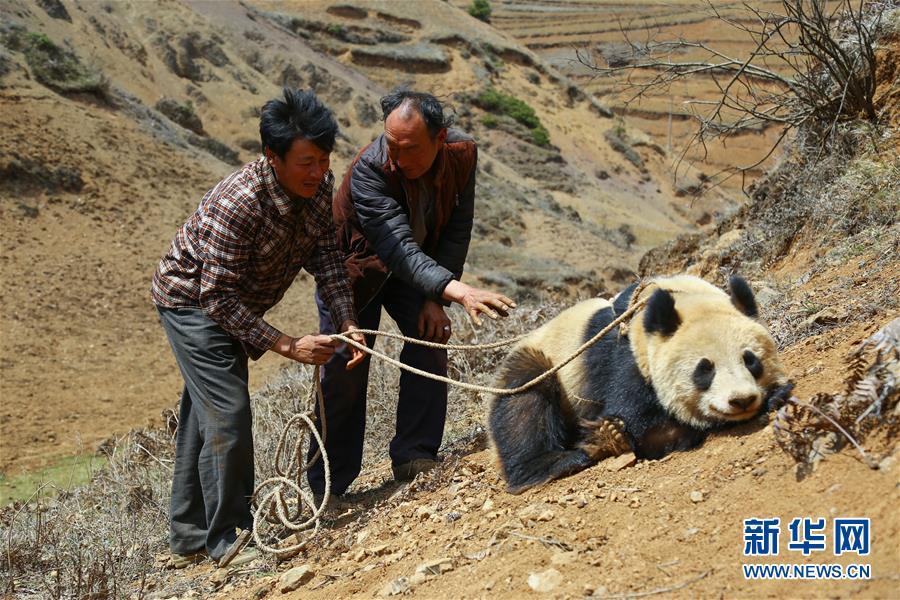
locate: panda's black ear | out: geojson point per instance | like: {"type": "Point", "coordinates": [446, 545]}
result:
{"type": "Point", "coordinates": [660, 315]}
{"type": "Point", "coordinates": [742, 296]}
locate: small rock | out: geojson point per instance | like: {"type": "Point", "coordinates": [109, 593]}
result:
{"type": "Point", "coordinates": [294, 578]}
{"type": "Point", "coordinates": [397, 586]}
{"type": "Point", "coordinates": [437, 566]}
{"type": "Point", "coordinates": [766, 296]}
{"type": "Point", "coordinates": [377, 550]}
{"type": "Point", "coordinates": [621, 462]}
{"type": "Point", "coordinates": [545, 581]}
{"type": "Point", "coordinates": [219, 576]}
{"type": "Point", "coordinates": [488, 505]}
{"type": "Point", "coordinates": [424, 512]}
{"type": "Point", "coordinates": [417, 578]}
{"type": "Point", "coordinates": [697, 496]}
{"type": "Point", "coordinates": [827, 316]}
{"type": "Point", "coordinates": [263, 589]}
{"type": "Point", "coordinates": [547, 515]}
{"type": "Point", "coordinates": [361, 536]}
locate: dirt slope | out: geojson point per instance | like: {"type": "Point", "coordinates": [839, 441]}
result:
{"type": "Point", "coordinates": [673, 526]}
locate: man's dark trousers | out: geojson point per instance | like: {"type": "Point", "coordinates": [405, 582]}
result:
{"type": "Point", "coordinates": [213, 479]}
{"type": "Point", "coordinates": [421, 407]}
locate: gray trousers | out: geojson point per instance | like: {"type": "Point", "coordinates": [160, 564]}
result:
{"type": "Point", "coordinates": [213, 479]}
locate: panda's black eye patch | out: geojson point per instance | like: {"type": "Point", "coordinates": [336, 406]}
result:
{"type": "Point", "coordinates": [704, 373]}
{"type": "Point", "coordinates": [753, 364]}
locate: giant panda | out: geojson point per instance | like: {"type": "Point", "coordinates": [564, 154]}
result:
{"type": "Point", "coordinates": [693, 359]}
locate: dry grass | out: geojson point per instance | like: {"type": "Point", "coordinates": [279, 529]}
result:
{"type": "Point", "coordinates": [808, 431]}
{"type": "Point", "coordinates": [99, 540]}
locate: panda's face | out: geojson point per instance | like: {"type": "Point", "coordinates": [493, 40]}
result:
{"type": "Point", "coordinates": [707, 359]}
{"type": "Point", "coordinates": [716, 371]}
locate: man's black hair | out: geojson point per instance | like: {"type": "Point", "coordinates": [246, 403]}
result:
{"type": "Point", "coordinates": [428, 106]}
{"type": "Point", "coordinates": [298, 115]}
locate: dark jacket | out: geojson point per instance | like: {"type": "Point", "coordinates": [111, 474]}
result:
{"type": "Point", "coordinates": [371, 215]}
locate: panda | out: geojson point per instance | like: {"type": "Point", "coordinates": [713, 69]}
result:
{"type": "Point", "coordinates": [694, 359]}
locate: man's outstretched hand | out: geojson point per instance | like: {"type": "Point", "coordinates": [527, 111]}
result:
{"type": "Point", "coordinates": [477, 301]}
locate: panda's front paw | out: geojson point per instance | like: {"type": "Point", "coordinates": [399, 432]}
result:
{"type": "Point", "coordinates": [604, 438]}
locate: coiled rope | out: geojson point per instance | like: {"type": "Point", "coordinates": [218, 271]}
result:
{"type": "Point", "coordinates": [269, 498]}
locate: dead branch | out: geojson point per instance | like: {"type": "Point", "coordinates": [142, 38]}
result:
{"type": "Point", "coordinates": [809, 67]}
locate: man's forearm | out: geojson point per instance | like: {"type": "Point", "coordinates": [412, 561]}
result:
{"type": "Point", "coordinates": [455, 291]}
{"type": "Point", "coordinates": [283, 345]}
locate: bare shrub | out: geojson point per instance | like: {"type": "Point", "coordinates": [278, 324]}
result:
{"type": "Point", "coordinates": [97, 541]}
{"type": "Point", "coordinates": [812, 67]}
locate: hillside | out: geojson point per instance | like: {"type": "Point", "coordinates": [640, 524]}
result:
{"type": "Point", "coordinates": [819, 241]}
{"type": "Point", "coordinates": [102, 159]}
{"type": "Point", "coordinates": [554, 30]}
{"type": "Point", "coordinates": [89, 202]}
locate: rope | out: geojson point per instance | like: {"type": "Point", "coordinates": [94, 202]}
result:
{"type": "Point", "coordinates": [274, 508]}
{"type": "Point", "coordinates": [484, 388]}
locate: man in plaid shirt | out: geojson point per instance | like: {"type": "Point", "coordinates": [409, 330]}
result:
{"type": "Point", "coordinates": [229, 263]}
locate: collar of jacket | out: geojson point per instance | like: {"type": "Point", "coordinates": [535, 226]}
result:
{"type": "Point", "coordinates": [283, 203]}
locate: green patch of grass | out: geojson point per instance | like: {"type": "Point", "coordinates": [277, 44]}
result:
{"type": "Point", "coordinates": [541, 136]}
{"type": "Point", "coordinates": [64, 474]}
{"type": "Point", "coordinates": [335, 29]}
{"type": "Point", "coordinates": [61, 70]}
{"type": "Point", "coordinates": [481, 10]}
{"type": "Point", "coordinates": [489, 121]}
{"type": "Point", "coordinates": [497, 102]}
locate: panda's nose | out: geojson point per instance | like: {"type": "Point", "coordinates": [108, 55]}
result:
{"type": "Point", "coordinates": [743, 402]}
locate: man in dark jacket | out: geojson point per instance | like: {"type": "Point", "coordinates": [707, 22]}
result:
{"type": "Point", "coordinates": [404, 221]}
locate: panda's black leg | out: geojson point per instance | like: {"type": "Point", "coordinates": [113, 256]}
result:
{"type": "Point", "coordinates": [603, 438]}
{"type": "Point", "coordinates": [547, 467]}
{"type": "Point", "coordinates": [534, 438]}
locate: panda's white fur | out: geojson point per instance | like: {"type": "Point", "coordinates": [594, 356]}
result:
{"type": "Point", "coordinates": [711, 327]}
{"type": "Point", "coordinates": [649, 382]}
{"type": "Point", "coordinates": [561, 336]}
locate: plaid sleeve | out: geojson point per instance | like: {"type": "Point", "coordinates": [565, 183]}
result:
{"type": "Point", "coordinates": [327, 264]}
{"type": "Point", "coordinates": [225, 236]}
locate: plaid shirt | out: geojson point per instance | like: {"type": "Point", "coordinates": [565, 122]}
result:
{"type": "Point", "coordinates": [240, 251]}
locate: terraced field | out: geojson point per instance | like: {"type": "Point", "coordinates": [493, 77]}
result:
{"type": "Point", "coordinates": [556, 29]}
